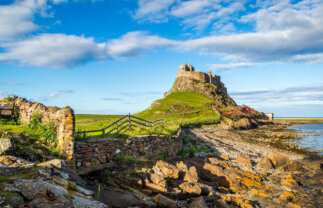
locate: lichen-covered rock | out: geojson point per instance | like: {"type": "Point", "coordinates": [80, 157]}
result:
{"type": "Point", "coordinates": [266, 163]}
{"type": "Point", "coordinates": [243, 160]}
{"type": "Point", "coordinates": [278, 159]}
{"type": "Point", "coordinates": [168, 170]}
{"type": "Point", "coordinates": [191, 188]}
{"type": "Point", "coordinates": [191, 175]}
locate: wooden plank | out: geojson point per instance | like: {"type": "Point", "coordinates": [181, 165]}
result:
{"type": "Point", "coordinates": [141, 119]}
{"type": "Point", "coordinates": [139, 123]}
{"type": "Point", "coordinates": [110, 131]}
{"type": "Point", "coordinates": [124, 131]}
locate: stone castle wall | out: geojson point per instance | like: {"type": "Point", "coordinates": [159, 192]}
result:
{"type": "Point", "coordinates": [98, 154]}
{"type": "Point", "coordinates": [63, 118]}
{"type": "Point", "coordinates": [203, 77]}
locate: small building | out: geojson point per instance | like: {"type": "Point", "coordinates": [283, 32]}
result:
{"type": "Point", "coordinates": [270, 116]}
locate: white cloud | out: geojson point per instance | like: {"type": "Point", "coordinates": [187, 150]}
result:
{"type": "Point", "coordinates": [197, 14]}
{"type": "Point", "coordinates": [17, 19]}
{"type": "Point", "coordinates": [222, 67]}
{"type": "Point", "coordinates": [290, 95]}
{"type": "Point", "coordinates": [188, 8]}
{"type": "Point", "coordinates": [153, 10]}
{"type": "Point", "coordinates": [54, 51]}
{"type": "Point", "coordinates": [54, 95]}
{"type": "Point", "coordinates": [133, 44]}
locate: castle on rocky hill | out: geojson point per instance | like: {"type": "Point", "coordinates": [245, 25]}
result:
{"type": "Point", "coordinates": [188, 71]}
{"type": "Point", "coordinates": [206, 84]}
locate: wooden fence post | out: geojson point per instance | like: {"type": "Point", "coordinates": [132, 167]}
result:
{"type": "Point", "coordinates": [129, 121]}
{"type": "Point", "coordinates": [117, 128]}
{"type": "Point", "coordinates": [103, 132]}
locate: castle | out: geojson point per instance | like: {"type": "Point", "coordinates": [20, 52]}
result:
{"type": "Point", "coordinates": [188, 71]}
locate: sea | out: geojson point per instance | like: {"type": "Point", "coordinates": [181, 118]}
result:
{"type": "Point", "coordinates": [312, 136]}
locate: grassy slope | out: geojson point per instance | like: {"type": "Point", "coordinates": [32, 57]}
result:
{"type": "Point", "coordinates": [179, 108]}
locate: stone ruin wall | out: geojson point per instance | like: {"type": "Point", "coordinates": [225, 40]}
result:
{"type": "Point", "coordinates": [63, 119]}
{"type": "Point", "coordinates": [99, 154]}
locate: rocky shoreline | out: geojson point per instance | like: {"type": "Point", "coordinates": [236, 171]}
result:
{"type": "Point", "coordinates": [256, 167]}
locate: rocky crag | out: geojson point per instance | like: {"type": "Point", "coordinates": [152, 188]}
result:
{"type": "Point", "coordinates": [205, 84]}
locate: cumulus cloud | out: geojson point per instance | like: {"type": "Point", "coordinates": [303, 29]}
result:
{"type": "Point", "coordinates": [133, 44]}
{"type": "Point", "coordinates": [54, 51]}
{"type": "Point", "coordinates": [197, 14]}
{"type": "Point", "coordinates": [223, 67]}
{"type": "Point", "coordinates": [55, 95]}
{"type": "Point", "coordinates": [153, 10]}
{"type": "Point", "coordinates": [290, 95]}
{"type": "Point", "coordinates": [17, 19]}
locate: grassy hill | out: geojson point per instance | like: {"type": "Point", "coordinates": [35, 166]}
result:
{"type": "Point", "coordinates": [182, 108]}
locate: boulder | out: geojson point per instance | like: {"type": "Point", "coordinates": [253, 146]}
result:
{"type": "Point", "coordinates": [198, 203]}
{"type": "Point", "coordinates": [158, 179]}
{"type": "Point", "coordinates": [266, 163]}
{"type": "Point", "coordinates": [278, 159]}
{"type": "Point", "coordinates": [163, 201]}
{"type": "Point", "coordinates": [191, 188]}
{"type": "Point", "coordinates": [225, 157]}
{"type": "Point", "coordinates": [168, 170]}
{"type": "Point", "coordinates": [243, 160]}
{"type": "Point", "coordinates": [182, 166]}
{"type": "Point", "coordinates": [191, 175]}
{"type": "Point", "coordinates": [243, 123]}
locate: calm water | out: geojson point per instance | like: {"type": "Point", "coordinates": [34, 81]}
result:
{"type": "Point", "coordinates": [313, 136]}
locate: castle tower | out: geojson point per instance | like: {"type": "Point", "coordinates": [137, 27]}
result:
{"type": "Point", "coordinates": [185, 67]}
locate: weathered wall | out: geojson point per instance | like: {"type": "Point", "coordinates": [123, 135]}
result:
{"type": "Point", "coordinates": [270, 116]}
{"type": "Point", "coordinates": [95, 155]}
{"type": "Point", "coordinates": [63, 118]}
{"type": "Point", "coordinates": [203, 77]}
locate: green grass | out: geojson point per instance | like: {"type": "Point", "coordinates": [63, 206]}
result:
{"type": "Point", "coordinates": [13, 129]}
{"type": "Point", "coordinates": [82, 118]}
{"type": "Point", "coordinates": [177, 109]}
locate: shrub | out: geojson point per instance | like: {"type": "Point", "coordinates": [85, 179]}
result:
{"type": "Point", "coordinates": [47, 132]}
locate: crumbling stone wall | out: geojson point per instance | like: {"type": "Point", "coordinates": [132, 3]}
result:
{"type": "Point", "coordinates": [201, 76]}
{"type": "Point", "coordinates": [63, 118]}
{"type": "Point", "coordinates": [98, 154]}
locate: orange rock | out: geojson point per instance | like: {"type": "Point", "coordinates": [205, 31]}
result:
{"type": "Point", "coordinates": [290, 182]}
{"type": "Point", "coordinates": [278, 159]}
{"type": "Point", "coordinates": [215, 161]}
{"type": "Point", "coordinates": [169, 170]}
{"type": "Point", "coordinates": [191, 188]}
{"type": "Point", "coordinates": [288, 196]}
{"type": "Point", "coordinates": [260, 193]}
{"type": "Point", "coordinates": [225, 157]}
{"type": "Point", "coordinates": [243, 160]}
{"type": "Point", "coordinates": [266, 163]}
{"type": "Point", "coordinates": [182, 166]}
{"type": "Point", "coordinates": [251, 183]}
{"type": "Point", "coordinates": [191, 175]}
{"type": "Point", "coordinates": [158, 179]}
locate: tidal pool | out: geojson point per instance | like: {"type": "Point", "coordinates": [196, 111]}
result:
{"type": "Point", "coordinates": [312, 136]}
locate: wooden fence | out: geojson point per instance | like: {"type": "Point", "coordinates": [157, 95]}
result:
{"type": "Point", "coordinates": [119, 127]}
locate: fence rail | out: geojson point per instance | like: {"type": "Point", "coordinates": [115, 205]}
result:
{"type": "Point", "coordinates": [119, 127]}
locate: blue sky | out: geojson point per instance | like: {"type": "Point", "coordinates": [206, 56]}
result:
{"type": "Point", "coordinates": [118, 56]}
